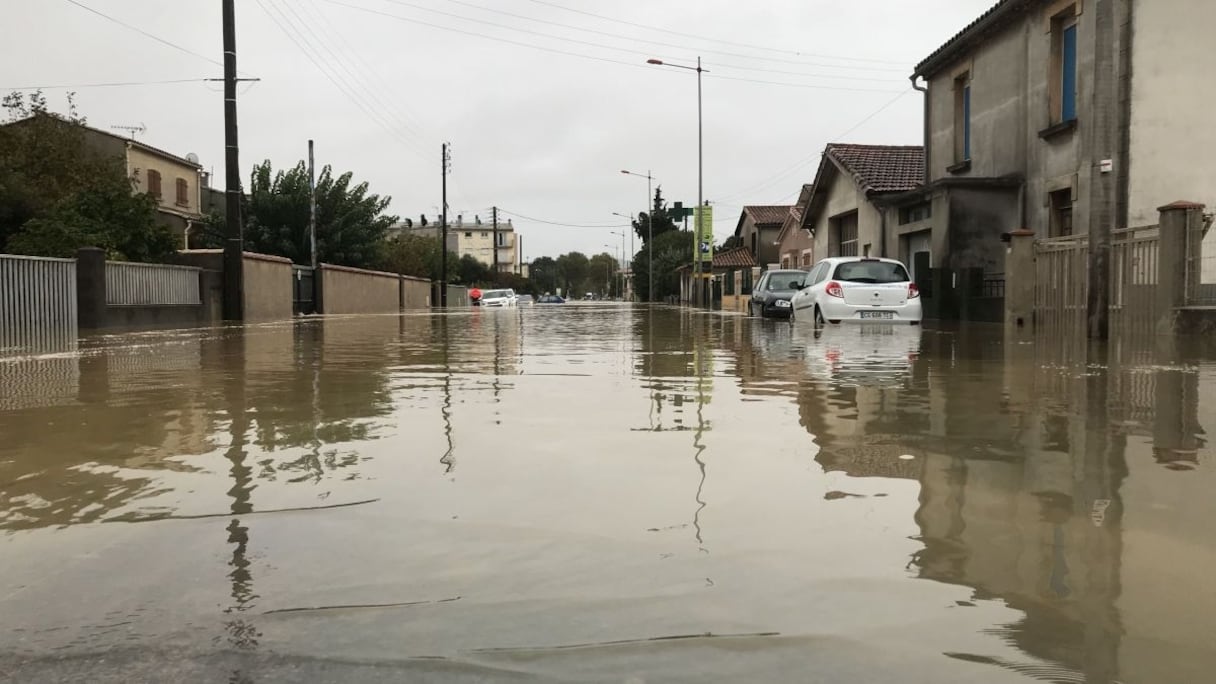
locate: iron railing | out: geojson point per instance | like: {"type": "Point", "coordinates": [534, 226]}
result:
{"type": "Point", "coordinates": [131, 284]}
{"type": "Point", "coordinates": [37, 303]}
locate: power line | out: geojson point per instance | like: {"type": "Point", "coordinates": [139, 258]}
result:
{"type": "Point", "coordinates": [144, 33]}
{"type": "Point", "coordinates": [563, 224]}
{"type": "Point", "coordinates": [668, 44]}
{"type": "Point", "coordinates": [577, 54]}
{"type": "Point", "coordinates": [772, 180]}
{"type": "Point", "coordinates": [356, 79]}
{"type": "Point", "coordinates": [117, 84]}
{"type": "Point", "coordinates": [668, 31]}
{"type": "Point", "coordinates": [302, 44]}
{"type": "Point", "coordinates": [369, 69]}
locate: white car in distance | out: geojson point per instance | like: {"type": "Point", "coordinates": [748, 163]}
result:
{"type": "Point", "coordinates": [499, 298]}
{"type": "Point", "coordinates": [858, 290]}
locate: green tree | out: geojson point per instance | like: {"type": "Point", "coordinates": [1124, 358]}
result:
{"type": "Point", "coordinates": [572, 271]}
{"type": "Point", "coordinates": [351, 223]}
{"type": "Point", "coordinates": [602, 270]}
{"type": "Point", "coordinates": [470, 271]}
{"type": "Point", "coordinates": [672, 250]}
{"type": "Point", "coordinates": [663, 222]}
{"type": "Point", "coordinates": [543, 273]}
{"type": "Point", "coordinates": [415, 255]}
{"type": "Point", "coordinates": [58, 193]}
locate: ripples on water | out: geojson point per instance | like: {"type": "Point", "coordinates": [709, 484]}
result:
{"type": "Point", "coordinates": [548, 491]}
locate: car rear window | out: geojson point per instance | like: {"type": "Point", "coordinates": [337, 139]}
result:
{"type": "Point", "coordinates": [785, 280]}
{"type": "Point", "coordinates": [871, 272]}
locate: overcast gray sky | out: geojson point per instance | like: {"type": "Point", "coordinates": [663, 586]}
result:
{"type": "Point", "coordinates": [543, 101]}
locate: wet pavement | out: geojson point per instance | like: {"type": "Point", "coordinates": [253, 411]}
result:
{"type": "Point", "coordinates": [606, 494]}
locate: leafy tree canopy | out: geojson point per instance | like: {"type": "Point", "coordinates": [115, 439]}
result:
{"type": "Point", "coordinates": [671, 250]}
{"type": "Point", "coordinates": [415, 255]}
{"type": "Point", "coordinates": [351, 223]}
{"type": "Point", "coordinates": [663, 221]}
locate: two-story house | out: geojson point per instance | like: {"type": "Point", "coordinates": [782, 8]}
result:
{"type": "Point", "coordinates": [1065, 117]}
{"type": "Point", "coordinates": [174, 181]}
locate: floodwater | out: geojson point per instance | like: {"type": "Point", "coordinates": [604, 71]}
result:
{"type": "Point", "coordinates": [606, 494]}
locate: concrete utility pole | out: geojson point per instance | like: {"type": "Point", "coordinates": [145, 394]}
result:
{"type": "Point", "coordinates": [312, 207]}
{"type": "Point", "coordinates": [234, 239]}
{"type": "Point", "coordinates": [1102, 146]}
{"type": "Point", "coordinates": [443, 229]}
{"type": "Point", "coordinates": [495, 212]}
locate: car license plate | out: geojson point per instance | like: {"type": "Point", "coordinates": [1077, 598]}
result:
{"type": "Point", "coordinates": [881, 315]}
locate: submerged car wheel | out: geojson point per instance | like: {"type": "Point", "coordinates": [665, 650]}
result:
{"type": "Point", "coordinates": [819, 317]}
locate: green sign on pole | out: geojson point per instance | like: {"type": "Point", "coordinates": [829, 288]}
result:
{"type": "Point", "coordinates": [704, 221]}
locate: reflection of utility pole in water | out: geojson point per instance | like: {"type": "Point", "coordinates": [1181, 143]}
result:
{"type": "Point", "coordinates": [1103, 470]}
{"type": "Point", "coordinates": [448, 460]}
{"type": "Point", "coordinates": [242, 634]}
{"type": "Point", "coordinates": [699, 361]}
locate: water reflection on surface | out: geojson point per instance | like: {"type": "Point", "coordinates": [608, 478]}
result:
{"type": "Point", "coordinates": [594, 492]}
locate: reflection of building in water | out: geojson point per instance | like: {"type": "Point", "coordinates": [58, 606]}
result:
{"type": "Point", "coordinates": [1077, 489]}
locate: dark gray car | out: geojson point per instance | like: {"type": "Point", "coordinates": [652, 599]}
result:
{"type": "Point", "coordinates": [771, 295]}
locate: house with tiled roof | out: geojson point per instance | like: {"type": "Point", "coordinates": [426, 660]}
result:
{"type": "Point", "coordinates": [845, 209]}
{"type": "Point", "coordinates": [757, 230]}
{"type": "Point", "coordinates": [1064, 117]}
{"type": "Point", "coordinates": [176, 182]}
{"type": "Point", "coordinates": [795, 243]}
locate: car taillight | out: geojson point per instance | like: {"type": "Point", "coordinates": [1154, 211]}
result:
{"type": "Point", "coordinates": [834, 289]}
{"type": "Point", "coordinates": [913, 291]}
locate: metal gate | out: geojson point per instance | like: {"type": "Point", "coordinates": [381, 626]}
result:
{"type": "Point", "coordinates": [303, 289]}
{"type": "Point", "coordinates": [37, 303]}
{"type": "Point", "coordinates": [1061, 283]}
{"type": "Point", "coordinates": [1062, 277]}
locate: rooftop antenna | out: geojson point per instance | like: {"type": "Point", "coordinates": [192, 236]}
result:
{"type": "Point", "coordinates": [131, 130]}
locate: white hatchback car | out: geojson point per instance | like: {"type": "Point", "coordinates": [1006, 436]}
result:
{"type": "Point", "coordinates": [858, 289]}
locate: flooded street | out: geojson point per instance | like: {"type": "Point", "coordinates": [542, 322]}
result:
{"type": "Point", "coordinates": [606, 493]}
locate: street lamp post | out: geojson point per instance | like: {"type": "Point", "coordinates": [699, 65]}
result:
{"type": "Point", "coordinates": [608, 274]}
{"type": "Point", "coordinates": [700, 172]}
{"type": "Point", "coordinates": [620, 264]}
{"type": "Point", "coordinates": [649, 232]}
{"type": "Point", "coordinates": [631, 233]}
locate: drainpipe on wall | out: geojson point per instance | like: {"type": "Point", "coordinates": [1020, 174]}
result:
{"type": "Point", "coordinates": [882, 222]}
{"type": "Point", "coordinates": [925, 116]}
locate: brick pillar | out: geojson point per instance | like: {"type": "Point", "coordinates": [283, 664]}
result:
{"type": "Point", "coordinates": [1176, 274]}
{"type": "Point", "coordinates": [91, 288]}
{"type": "Point", "coordinates": [1019, 280]}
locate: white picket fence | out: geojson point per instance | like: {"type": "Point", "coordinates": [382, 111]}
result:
{"type": "Point", "coordinates": [131, 284]}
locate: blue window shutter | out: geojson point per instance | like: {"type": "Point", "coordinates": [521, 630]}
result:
{"type": "Point", "coordinates": [966, 122]}
{"type": "Point", "coordinates": [1068, 80]}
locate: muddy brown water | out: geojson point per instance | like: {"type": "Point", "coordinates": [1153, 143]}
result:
{"type": "Point", "coordinates": [607, 493]}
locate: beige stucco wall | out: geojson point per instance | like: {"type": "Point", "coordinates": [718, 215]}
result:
{"type": "Point", "coordinates": [354, 291]}
{"type": "Point", "coordinates": [795, 243]}
{"type": "Point", "coordinates": [415, 293]}
{"type": "Point", "coordinates": [267, 283]}
{"type": "Point", "coordinates": [842, 197]}
{"type": "Point", "coordinates": [1172, 136]}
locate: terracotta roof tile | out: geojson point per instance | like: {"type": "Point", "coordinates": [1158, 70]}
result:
{"type": "Point", "coordinates": [739, 257]}
{"type": "Point", "coordinates": [882, 168]}
{"type": "Point", "coordinates": [768, 214]}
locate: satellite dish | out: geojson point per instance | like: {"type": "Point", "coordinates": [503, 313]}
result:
{"type": "Point", "coordinates": [192, 158]}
